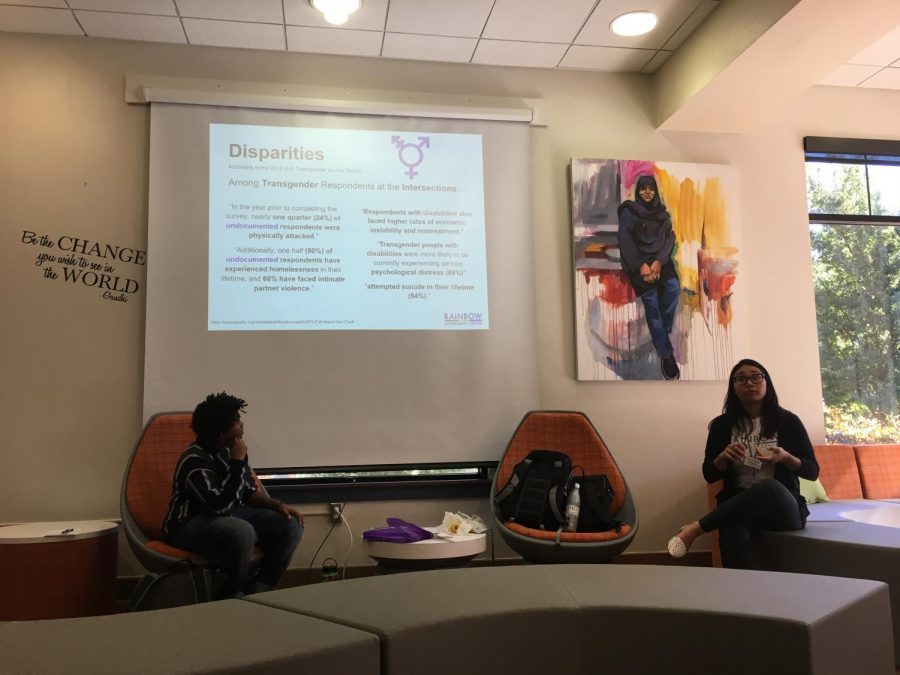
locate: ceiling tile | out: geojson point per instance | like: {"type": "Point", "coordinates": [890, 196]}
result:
{"type": "Point", "coordinates": [654, 63]}
{"type": "Point", "coordinates": [459, 18]}
{"type": "Point", "coordinates": [162, 7]}
{"type": "Point", "coordinates": [370, 16]}
{"type": "Point", "coordinates": [38, 20]}
{"type": "Point", "coordinates": [525, 33]}
{"type": "Point", "coordinates": [690, 24]}
{"type": "Point", "coordinates": [849, 75]}
{"type": "Point", "coordinates": [264, 11]}
{"type": "Point", "coordinates": [132, 26]}
{"type": "Point", "coordinates": [527, 54]}
{"type": "Point", "coordinates": [334, 41]}
{"type": "Point", "coordinates": [883, 52]}
{"type": "Point", "coordinates": [428, 47]}
{"type": "Point", "coordinates": [606, 58]}
{"type": "Point", "coordinates": [670, 13]}
{"type": "Point", "coordinates": [886, 78]}
{"type": "Point", "coordinates": [36, 3]}
{"type": "Point", "coordinates": [537, 20]}
{"type": "Point", "coordinates": [234, 34]}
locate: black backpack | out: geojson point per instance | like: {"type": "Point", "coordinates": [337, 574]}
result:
{"type": "Point", "coordinates": [536, 494]}
{"type": "Point", "coordinates": [596, 497]}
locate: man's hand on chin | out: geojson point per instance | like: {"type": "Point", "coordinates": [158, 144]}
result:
{"type": "Point", "coordinates": [239, 449]}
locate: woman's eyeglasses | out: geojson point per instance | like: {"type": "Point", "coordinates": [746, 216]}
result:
{"type": "Point", "coordinates": [755, 378]}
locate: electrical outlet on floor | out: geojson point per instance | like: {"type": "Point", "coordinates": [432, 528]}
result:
{"type": "Point", "coordinates": [335, 511]}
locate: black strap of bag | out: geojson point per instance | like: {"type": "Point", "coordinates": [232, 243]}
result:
{"type": "Point", "coordinates": [184, 583]}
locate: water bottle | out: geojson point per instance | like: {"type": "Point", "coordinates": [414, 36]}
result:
{"type": "Point", "coordinates": [573, 508]}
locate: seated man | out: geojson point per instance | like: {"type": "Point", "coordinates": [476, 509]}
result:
{"type": "Point", "coordinates": [216, 509]}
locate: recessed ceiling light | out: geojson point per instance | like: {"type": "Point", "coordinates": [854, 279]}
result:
{"type": "Point", "coordinates": [633, 23]}
{"type": "Point", "coordinates": [336, 11]}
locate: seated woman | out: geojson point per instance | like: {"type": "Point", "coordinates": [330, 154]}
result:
{"type": "Point", "coordinates": [760, 450]}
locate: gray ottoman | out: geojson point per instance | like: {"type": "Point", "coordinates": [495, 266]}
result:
{"type": "Point", "coordinates": [646, 619]}
{"type": "Point", "coordinates": [841, 549]}
{"type": "Point", "coordinates": [229, 636]}
{"type": "Point", "coordinates": [494, 620]}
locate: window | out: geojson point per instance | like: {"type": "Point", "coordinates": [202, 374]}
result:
{"type": "Point", "coordinates": [380, 483]}
{"type": "Point", "coordinates": [853, 188]}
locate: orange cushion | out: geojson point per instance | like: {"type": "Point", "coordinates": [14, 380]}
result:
{"type": "Point", "coordinates": [149, 485]}
{"type": "Point", "coordinates": [162, 547]}
{"type": "Point", "coordinates": [572, 537]}
{"type": "Point", "coordinates": [879, 470]}
{"type": "Point", "coordinates": [568, 432]}
{"type": "Point", "coordinates": [838, 472]}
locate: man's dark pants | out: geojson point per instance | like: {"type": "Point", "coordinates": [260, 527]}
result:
{"type": "Point", "coordinates": [228, 542]}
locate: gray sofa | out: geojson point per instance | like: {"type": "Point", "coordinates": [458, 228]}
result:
{"type": "Point", "coordinates": [523, 619]}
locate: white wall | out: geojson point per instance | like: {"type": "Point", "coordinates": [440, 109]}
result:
{"type": "Point", "coordinates": [74, 161]}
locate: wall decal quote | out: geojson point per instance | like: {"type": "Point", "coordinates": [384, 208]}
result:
{"type": "Point", "coordinates": [87, 263]}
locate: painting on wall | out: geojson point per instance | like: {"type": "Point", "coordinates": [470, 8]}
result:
{"type": "Point", "coordinates": [656, 269]}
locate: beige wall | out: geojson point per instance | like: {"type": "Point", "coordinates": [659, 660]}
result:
{"type": "Point", "coordinates": [74, 162]}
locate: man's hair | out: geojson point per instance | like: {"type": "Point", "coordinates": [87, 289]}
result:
{"type": "Point", "coordinates": [215, 415]}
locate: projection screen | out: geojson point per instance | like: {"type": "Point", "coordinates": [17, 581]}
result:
{"type": "Point", "coordinates": [364, 282]}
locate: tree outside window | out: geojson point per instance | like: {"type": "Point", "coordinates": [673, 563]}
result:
{"type": "Point", "coordinates": [856, 271]}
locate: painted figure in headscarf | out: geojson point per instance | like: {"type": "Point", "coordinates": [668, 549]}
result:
{"type": "Point", "coordinates": [646, 243]}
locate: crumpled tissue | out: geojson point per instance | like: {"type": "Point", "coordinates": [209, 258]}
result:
{"type": "Point", "coordinates": [459, 524]}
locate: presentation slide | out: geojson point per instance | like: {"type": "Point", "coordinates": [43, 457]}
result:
{"type": "Point", "coordinates": [335, 229]}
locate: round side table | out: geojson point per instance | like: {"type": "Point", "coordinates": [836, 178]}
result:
{"type": "Point", "coordinates": [57, 570]}
{"type": "Point", "coordinates": [428, 554]}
